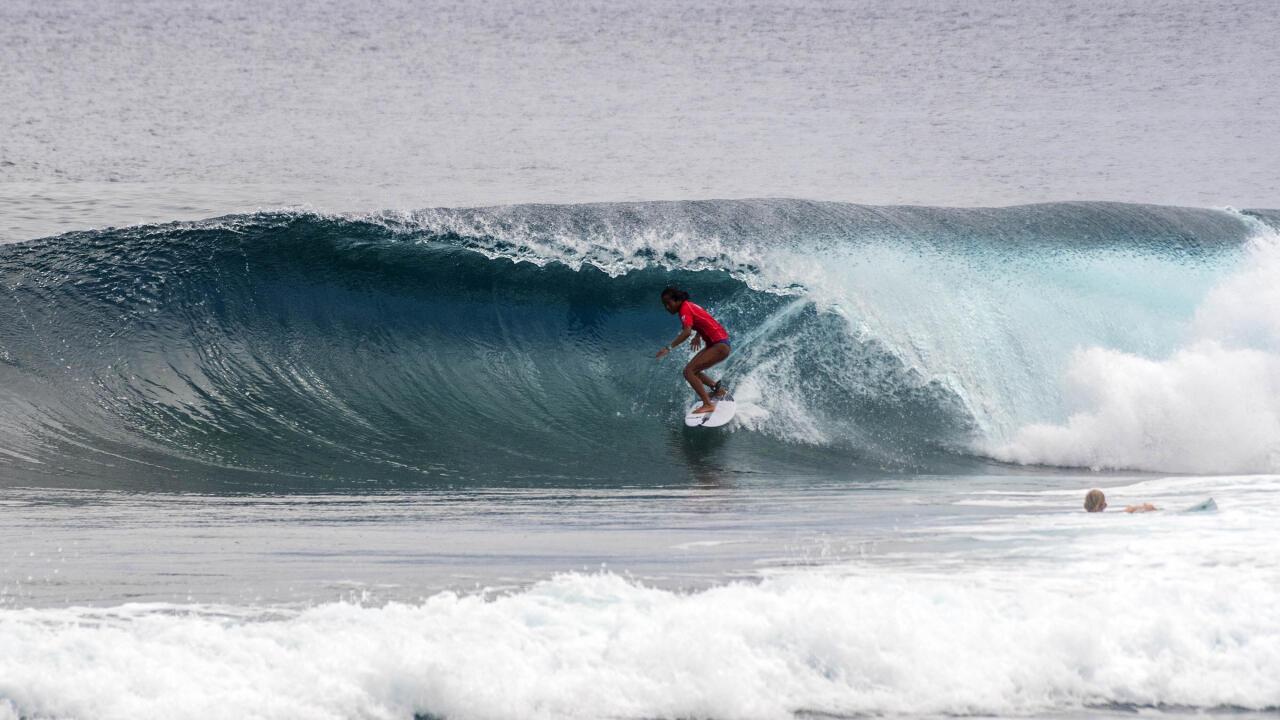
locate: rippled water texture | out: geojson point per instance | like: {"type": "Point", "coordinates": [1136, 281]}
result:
{"type": "Point", "coordinates": [133, 111]}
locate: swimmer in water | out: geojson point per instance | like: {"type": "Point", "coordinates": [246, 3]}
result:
{"type": "Point", "coordinates": [1095, 501]}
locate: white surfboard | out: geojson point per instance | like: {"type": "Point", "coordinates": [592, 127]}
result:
{"type": "Point", "coordinates": [721, 415]}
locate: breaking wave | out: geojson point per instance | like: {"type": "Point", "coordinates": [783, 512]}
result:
{"type": "Point", "coordinates": [515, 344]}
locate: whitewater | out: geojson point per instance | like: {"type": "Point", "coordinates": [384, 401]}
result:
{"type": "Point", "coordinates": [1000, 602]}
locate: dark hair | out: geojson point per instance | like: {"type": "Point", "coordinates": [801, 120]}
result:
{"type": "Point", "coordinates": [674, 293]}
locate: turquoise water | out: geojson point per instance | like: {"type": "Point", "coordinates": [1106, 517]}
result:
{"type": "Point", "coordinates": [298, 352]}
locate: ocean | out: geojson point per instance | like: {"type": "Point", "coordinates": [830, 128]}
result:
{"type": "Point", "coordinates": [327, 385]}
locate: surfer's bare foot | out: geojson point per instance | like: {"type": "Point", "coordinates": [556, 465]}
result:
{"type": "Point", "coordinates": [704, 408]}
{"type": "Point", "coordinates": [720, 393]}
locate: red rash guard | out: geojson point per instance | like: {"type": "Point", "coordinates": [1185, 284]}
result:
{"type": "Point", "coordinates": [701, 321]}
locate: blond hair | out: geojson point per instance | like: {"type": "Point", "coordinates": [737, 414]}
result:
{"type": "Point", "coordinates": [1094, 501]}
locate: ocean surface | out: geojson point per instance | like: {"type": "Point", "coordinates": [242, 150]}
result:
{"type": "Point", "coordinates": [327, 385]}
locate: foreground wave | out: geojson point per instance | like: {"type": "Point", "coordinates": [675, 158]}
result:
{"type": "Point", "coordinates": [514, 344]}
{"type": "Point", "coordinates": [1005, 600]}
{"type": "Point", "coordinates": [600, 646]}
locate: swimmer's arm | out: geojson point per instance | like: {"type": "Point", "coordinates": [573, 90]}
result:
{"type": "Point", "coordinates": [1144, 507]}
{"type": "Point", "coordinates": [684, 335]}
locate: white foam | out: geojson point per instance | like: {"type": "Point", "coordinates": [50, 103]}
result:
{"type": "Point", "coordinates": [1212, 406]}
{"type": "Point", "coordinates": [1015, 613]}
{"type": "Point", "coordinates": [589, 646]}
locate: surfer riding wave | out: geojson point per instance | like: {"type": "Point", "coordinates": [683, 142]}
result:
{"type": "Point", "coordinates": [694, 319]}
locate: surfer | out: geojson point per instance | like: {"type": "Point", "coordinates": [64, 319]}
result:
{"type": "Point", "coordinates": [694, 318]}
{"type": "Point", "coordinates": [1095, 501]}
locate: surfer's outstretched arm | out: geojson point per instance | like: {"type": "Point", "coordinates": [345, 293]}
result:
{"type": "Point", "coordinates": [684, 335]}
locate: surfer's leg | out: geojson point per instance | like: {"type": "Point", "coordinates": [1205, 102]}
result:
{"type": "Point", "coordinates": [716, 390]}
{"type": "Point", "coordinates": [694, 370]}
{"type": "Point", "coordinates": [691, 377]}
{"type": "Point", "coordinates": [711, 384]}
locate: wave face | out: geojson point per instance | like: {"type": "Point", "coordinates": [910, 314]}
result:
{"type": "Point", "coordinates": [515, 344]}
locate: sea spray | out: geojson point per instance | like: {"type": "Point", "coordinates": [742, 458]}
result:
{"type": "Point", "coordinates": [1212, 405]}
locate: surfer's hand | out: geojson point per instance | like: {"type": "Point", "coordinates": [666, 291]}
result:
{"type": "Point", "coordinates": [662, 352]}
{"type": "Point", "coordinates": [695, 343]}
